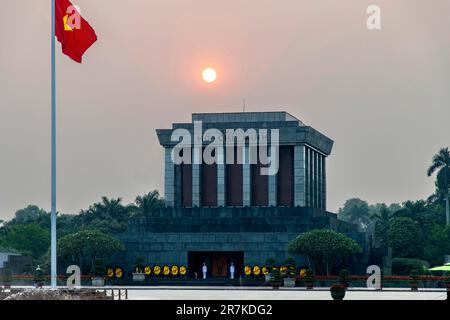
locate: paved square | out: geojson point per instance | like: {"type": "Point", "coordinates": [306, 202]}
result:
{"type": "Point", "coordinates": [251, 293]}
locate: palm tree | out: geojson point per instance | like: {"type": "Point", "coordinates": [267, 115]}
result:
{"type": "Point", "coordinates": [109, 215]}
{"type": "Point", "coordinates": [441, 164]}
{"type": "Point", "coordinates": [383, 219]}
{"type": "Point", "coordinates": [148, 202]}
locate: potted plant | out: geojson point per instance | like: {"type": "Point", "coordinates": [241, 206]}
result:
{"type": "Point", "coordinates": [309, 279]}
{"type": "Point", "coordinates": [338, 291]}
{"type": "Point", "coordinates": [275, 278]}
{"type": "Point", "coordinates": [38, 277]}
{"type": "Point", "coordinates": [6, 278]}
{"type": "Point", "coordinates": [289, 275]}
{"type": "Point", "coordinates": [269, 265]}
{"type": "Point", "coordinates": [344, 277]}
{"type": "Point", "coordinates": [138, 274]}
{"type": "Point", "coordinates": [414, 280]}
{"type": "Point", "coordinates": [98, 273]}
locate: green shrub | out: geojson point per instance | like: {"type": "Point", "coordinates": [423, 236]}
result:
{"type": "Point", "coordinates": [39, 275]}
{"type": "Point", "coordinates": [414, 276]}
{"type": "Point", "coordinates": [139, 264]}
{"type": "Point", "coordinates": [275, 276]}
{"type": "Point", "coordinates": [404, 266]}
{"type": "Point", "coordinates": [309, 276]}
{"type": "Point", "coordinates": [290, 262]}
{"type": "Point", "coordinates": [98, 269]}
{"type": "Point", "coordinates": [6, 276]}
{"type": "Point", "coordinates": [344, 276]}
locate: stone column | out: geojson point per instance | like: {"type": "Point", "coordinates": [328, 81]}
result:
{"type": "Point", "coordinates": [220, 177]}
{"type": "Point", "coordinates": [316, 181]}
{"type": "Point", "coordinates": [324, 184]}
{"type": "Point", "coordinates": [308, 175]}
{"type": "Point", "coordinates": [196, 176]}
{"type": "Point", "coordinates": [246, 177]}
{"type": "Point", "coordinates": [319, 180]}
{"type": "Point", "coordinates": [299, 176]}
{"type": "Point", "coordinates": [272, 181]}
{"type": "Point", "coordinates": [169, 178]}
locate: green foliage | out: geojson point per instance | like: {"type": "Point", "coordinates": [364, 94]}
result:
{"type": "Point", "coordinates": [405, 238]}
{"type": "Point", "coordinates": [441, 164]}
{"type": "Point", "coordinates": [309, 276]}
{"type": "Point", "coordinates": [355, 211]}
{"type": "Point", "coordinates": [6, 276]}
{"type": "Point", "coordinates": [344, 276]}
{"type": "Point", "coordinates": [99, 268]}
{"type": "Point", "coordinates": [29, 214]}
{"type": "Point", "coordinates": [139, 264]}
{"type": "Point", "coordinates": [404, 266]}
{"type": "Point", "coordinates": [84, 247]}
{"type": "Point", "coordinates": [437, 244]}
{"type": "Point", "coordinates": [108, 216]}
{"type": "Point", "coordinates": [326, 247]}
{"type": "Point", "coordinates": [39, 275]}
{"type": "Point", "coordinates": [275, 276]}
{"type": "Point", "coordinates": [146, 204]}
{"type": "Point", "coordinates": [28, 238]}
{"type": "Point", "coordinates": [289, 262]}
{"type": "Point", "coordinates": [383, 219]}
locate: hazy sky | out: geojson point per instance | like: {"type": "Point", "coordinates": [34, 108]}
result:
{"type": "Point", "coordinates": [383, 96]}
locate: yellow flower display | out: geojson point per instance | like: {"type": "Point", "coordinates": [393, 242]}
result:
{"type": "Point", "coordinates": [174, 270]}
{"type": "Point", "coordinates": [302, 273]}
{"type": "Point", "coordinates": [183, 270]}
{"type": "Point", "coordinates": [166, 270]}
{"type": "Point", "coordinates": [256, 270]}
{"type": "Point", "coordinates": [148, 270]}
{"type": "Point", "coordinates": [157, 270]}
{"type": "Point", "coordinates": [247, 270]}
{"type": "Point", "coordinates": [110, 273]}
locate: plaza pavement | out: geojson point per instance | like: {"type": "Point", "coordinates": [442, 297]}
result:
{"type": "Point", "coordinates": [264, 293]}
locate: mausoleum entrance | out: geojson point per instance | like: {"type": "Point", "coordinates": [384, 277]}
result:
{"type": "Point", "coordinates": [217, 262]}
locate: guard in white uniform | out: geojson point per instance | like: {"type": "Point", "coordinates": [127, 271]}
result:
{"type": "Point", "coordinates": [232, 269]}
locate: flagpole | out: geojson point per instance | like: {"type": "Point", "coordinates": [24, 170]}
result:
{"type": "Point", "coordinates": [53, 154]}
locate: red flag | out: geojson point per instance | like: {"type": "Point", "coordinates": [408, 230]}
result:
{"type": "Point", "coordinates": [74, 33]}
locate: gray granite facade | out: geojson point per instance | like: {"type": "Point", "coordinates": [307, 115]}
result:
{"type": "Point", "coordinates": [171, 234]}
{"type": "Point", "coordinates": [260, 233]}
{"type": "Point", "coordinates": [310, 151]}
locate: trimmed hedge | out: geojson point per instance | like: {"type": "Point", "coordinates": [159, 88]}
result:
{"type": "Point", "coordinates": [404, 266]}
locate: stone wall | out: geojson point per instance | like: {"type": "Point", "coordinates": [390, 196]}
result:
{"type": "Point", "coordinates": [261, 233]}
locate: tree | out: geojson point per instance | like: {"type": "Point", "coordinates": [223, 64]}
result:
{"type": "Point", "coordinates": [405, 238]}
{"type": "Point", "coordinates": [144, 205]}
{"type": "Point", "coordinates": [108, 216]}
{"type": "Point", "coordinates": [28, 238]}
{"type": "Point", "coordinates": [355, 211]}
{"type": "Point", "coordinates": [325, 247]}
{"type": "Point", "coordinates": [382, 222]}
{"type": "Point", "coordinates": [437, 245]}
{"type": "Point", "coordinates": [84, 247]}
{"type": "Point", "coordinates": [28, 214]}
{"type": "Point", "coordinates": [441, 164]}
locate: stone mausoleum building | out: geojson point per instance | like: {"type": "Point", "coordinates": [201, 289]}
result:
{"type": "Point", "coordinates": [229, 212]}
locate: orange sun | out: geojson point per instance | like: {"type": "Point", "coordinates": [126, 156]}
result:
{"type": "Point", "coordinates": [209, 75]}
